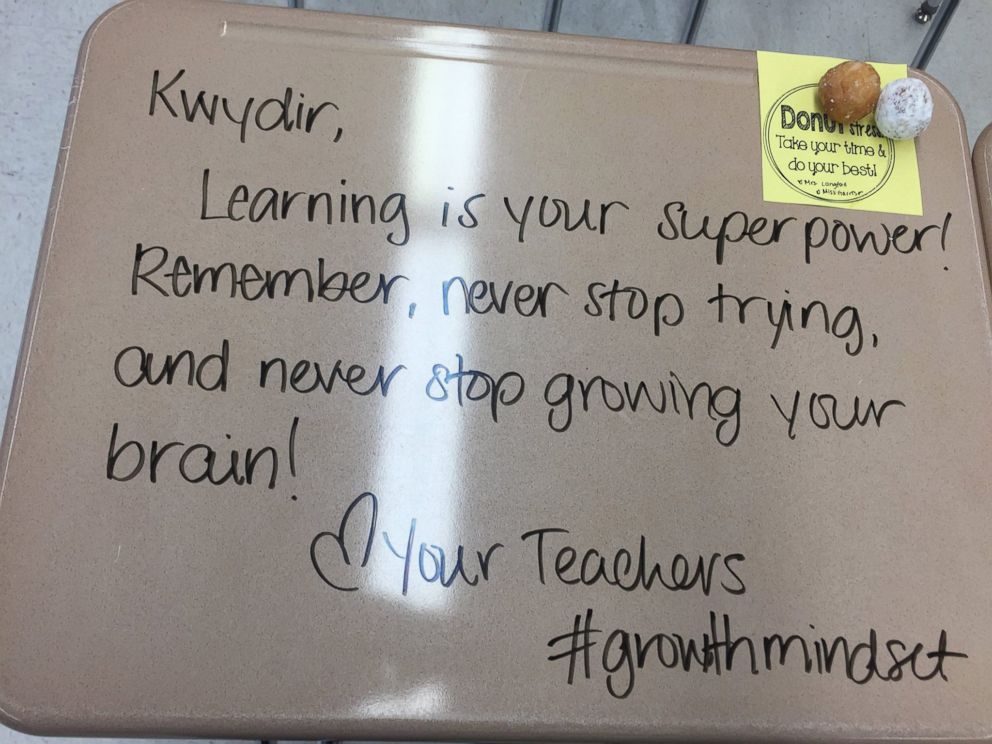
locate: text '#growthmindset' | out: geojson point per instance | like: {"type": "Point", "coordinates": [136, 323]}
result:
{"type": "Point", "coordinates": [622, 653]}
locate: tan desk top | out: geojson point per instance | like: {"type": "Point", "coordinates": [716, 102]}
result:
{"type": "Point", "coordinates": [354, 511]}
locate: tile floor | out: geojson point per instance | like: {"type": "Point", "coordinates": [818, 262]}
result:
{"type": "Point", "coordinates": [39, 40]}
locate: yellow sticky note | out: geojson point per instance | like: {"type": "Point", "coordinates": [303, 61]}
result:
{"type": "Point", "coordinates": [809, 159]}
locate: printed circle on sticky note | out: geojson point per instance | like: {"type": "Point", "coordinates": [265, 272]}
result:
{"type": "Point", "coordinates": [818, 157]}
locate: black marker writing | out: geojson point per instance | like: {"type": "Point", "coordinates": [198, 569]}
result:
{"type": "Point", "coordinates": [154, 269]}
{"type": "Point", "coordinates": [734, 227]}
{"type": "Point", "coordinates": [331, 552]}
{"type": "Point", "coordinates": [844, 237]}
{"type": "Point", "coordinates": [826, 411]}
{"type": "Point", "coordinates": [553, 212]}
{"type": "Point", "coordinates": [305, 377]}
{"type": "Point", "coordinates": [197, 462]}
{"type": "Point", "coordinates": [623, 653]}
{"type": "Point", "coordinates": [270, 204]}
{"type": "Point", "coordinates": [567, 394]}
{"type": "Point", "coordinates": [343, 539]}
{"type": "Point", "coordinates": [667, 309]}
{"type": "Point", "coordinates": [580, 643]}
{"type": "Point", "coordinates": [844, 324]}
{"type": "Point", "coordinates": [135, 366]}
{"type": "Point", "coordinates": [467, 218]}
{"type": "Point", "coordinates": [473, 385]}
{"type": "Point", "coordinates": [482, 297]}
{"type": "Point", "coordinates": [431, 561]}
{"type": "Point", "coordinates": [271, 114]}
{"type": "Point", "coordinates": [632, 570]}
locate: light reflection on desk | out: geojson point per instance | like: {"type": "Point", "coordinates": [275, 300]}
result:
{"type": "Point", "coordinates": [420, 702]}
{"type": "Point", "coordinates": [448, 108]}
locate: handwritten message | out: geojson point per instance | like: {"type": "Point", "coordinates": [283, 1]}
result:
{"type": "Point", "coordinates": [677, 402]}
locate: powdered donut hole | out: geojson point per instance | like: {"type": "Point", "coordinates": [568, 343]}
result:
{"type": "Point", "coordinates": [904, 109]}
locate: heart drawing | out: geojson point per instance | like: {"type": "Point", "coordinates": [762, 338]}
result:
{"type": "Point", "coordinates": [342, 540]}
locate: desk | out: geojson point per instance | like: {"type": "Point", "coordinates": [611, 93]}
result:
{"type": "Point", "coordinates": [982, 158]}
{"type": "Point", "coordinates": [288, 466]}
